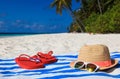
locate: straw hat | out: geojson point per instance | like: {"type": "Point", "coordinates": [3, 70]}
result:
{"type": "Point", "coordinates": [97, 54]}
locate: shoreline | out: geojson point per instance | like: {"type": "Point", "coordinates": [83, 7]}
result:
{"type": "Point", "coordinates": [60, 43]}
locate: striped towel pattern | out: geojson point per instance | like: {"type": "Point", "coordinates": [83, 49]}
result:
{"type": "Point", "coordinates": [59, 70]}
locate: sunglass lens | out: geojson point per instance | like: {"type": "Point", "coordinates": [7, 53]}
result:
{"type": "Point", "coordinates": [91, 67]}
{"type": "Point", "coordinates": [79, 64]}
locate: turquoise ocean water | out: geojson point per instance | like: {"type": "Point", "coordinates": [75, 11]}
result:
{"type": "Point", "coordinates": [14, 34]}
{"type": "Point", "coordinates": [24, 34]}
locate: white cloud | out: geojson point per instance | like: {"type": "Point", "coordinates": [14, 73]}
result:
{"type": "Point", "coordinates": [1, 24]}
{"type": "Point", "coordinates": [18, 21]}
{"type": "Point", "coordinates": [34, 26]}
{"type": "Point", "coordinates": [37, 26]}
{"type": "Point", "coordinates": [53, 27]}
{"type": "Point", "coordinates": [27, 26]}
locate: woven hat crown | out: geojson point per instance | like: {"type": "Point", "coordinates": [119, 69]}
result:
{"type": "Point", "coordinates": [94, 53]}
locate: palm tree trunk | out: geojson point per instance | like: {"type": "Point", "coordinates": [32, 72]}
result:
{"type": "Point", "coordinates": [99, 6]}
{"type": "Point", "coordinates": [77, 20]}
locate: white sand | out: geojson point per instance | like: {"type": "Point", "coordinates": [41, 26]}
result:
{"type": "Point", "coordinates": [64, 43]}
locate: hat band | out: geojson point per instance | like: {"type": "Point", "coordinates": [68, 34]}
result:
{"type": "Point", "coordinates": [103, 63]}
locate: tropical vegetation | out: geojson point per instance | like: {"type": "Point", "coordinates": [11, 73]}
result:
{"type": "Point", "coordinates": [67, 4]}
{"type": "Point", "coordinates": [96, 16]}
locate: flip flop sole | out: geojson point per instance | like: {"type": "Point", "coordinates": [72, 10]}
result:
{"type": "Point", "coordinates": [49, 61]}
{"type": "Point", "coordinates": [27, 64]}
{"type": "Point", "coordinates": [47, 58]}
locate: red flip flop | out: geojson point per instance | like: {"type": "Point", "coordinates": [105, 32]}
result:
{"type": "Point", "coordinates": [47, 58]}
{"type": "Point", "coordinates": [27, 62]}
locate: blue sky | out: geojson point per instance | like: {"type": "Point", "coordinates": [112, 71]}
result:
{"type": "Point", "coordinates": [32, 16]}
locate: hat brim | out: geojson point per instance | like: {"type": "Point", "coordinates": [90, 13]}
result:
{"type": "Point", "coordinates": [114, 63]}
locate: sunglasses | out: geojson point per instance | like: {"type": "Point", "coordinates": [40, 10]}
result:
{"type": "Point", "coordinates": [88, 66]}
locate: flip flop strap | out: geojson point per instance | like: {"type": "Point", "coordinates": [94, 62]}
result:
{"type": "Point", "coordinates": [47, 56]}
{"type": "Point", "coordinates": [30, 58]}
{"type": "Point", "coordinates": [50, 52]}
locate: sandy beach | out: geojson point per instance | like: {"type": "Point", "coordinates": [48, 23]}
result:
{"type": "Point", "coordinates": [65, 47]}
{"type": "Point", "coordinates": [63, 43]}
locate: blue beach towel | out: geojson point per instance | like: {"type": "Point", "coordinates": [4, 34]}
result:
{"type": "Point", "coordinates": [59, 70]}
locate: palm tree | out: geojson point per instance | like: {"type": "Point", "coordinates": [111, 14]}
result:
{"type": "Point", "coordinates": [99, 6]}
{"type": "Point", "coordinates": [106, 4]}
{"type": "Point", "coordinates": [82, 8]}
{"type": "Point", "coordinates": [66, 4]}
